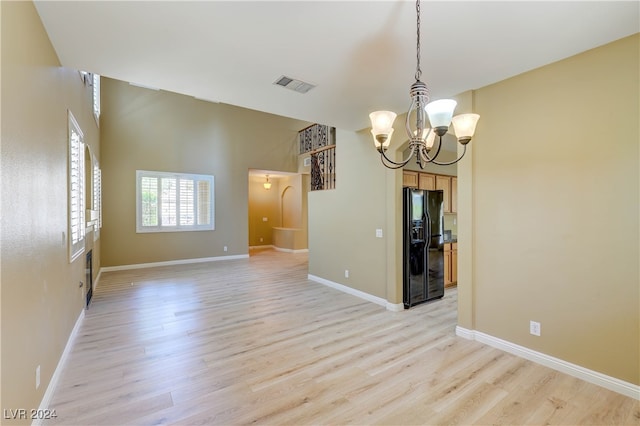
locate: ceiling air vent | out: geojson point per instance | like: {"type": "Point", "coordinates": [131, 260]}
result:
{"type": "Point", "coordinates": [293, 84]}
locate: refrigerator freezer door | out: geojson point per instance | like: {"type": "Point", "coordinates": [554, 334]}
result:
{"type": "Point", "coordinates": [415, 239]}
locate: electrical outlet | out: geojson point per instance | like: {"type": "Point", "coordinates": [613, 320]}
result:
{"type": "Point", "coordinates": [37, 377]}
{"type": "Point", "coordinates": [224, 248]}
{"type": "Point", "coordinates": [534, 328]}
{"type": "Point", "coordinates": [346, 273]}
{"type": "Point", "coordinates": [261, 239]}
{"type": "Point", "coordinates": [378, 233]}
{"type": "Point", "coordinates": [265, 219]}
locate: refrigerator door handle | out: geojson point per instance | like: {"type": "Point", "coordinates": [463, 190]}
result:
{"type": "Point", "coordinates": [427, 220]}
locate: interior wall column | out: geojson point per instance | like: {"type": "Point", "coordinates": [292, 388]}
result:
{"type": "Point", "coordinates": [394, 233]}
{"type": "Point", "coordinates": [466, 290]}
{"type": "Point", "coordinates": [394, 214]}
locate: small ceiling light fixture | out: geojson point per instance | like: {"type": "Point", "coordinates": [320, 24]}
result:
{"type": "Point", "coordinates": [421, 137]}
{"type": "Point", "coordinates": [267, 184]}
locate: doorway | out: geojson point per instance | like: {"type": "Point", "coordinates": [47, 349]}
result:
{"type": "Point", "coordinates": [277, 210]}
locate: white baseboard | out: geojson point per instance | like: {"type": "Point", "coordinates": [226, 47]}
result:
{"type": "Point", "coordinates": [608, 382]}
{"type": "Point", "coordinates": [261, 247]}
{"type": "Point", "coordinates": [361, 294]}
{"type": "Point", "coordinates": [395, 307]}
{"type": "Point", "coordinates": [53, 383]}
{"type": "Point", "coordinates": [291, 250]}
{"type": "Point", "coordinates": [95, 283]}
{"type": "Point", "coordinates": [172, 262]}
{"type": "Point", "coordinates": [465, 332]}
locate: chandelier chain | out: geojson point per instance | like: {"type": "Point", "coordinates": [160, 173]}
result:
{"type": "Point", "coordinates": [418, 70]}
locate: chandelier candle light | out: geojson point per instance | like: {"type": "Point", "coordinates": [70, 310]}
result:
{"type": "Point", "coordinates": [422, 137]}
{"type": "Point", "coordinates": [267, 184]}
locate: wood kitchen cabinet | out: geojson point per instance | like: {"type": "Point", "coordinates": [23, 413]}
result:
{"type": "Point", "coordinates": [447, 265]}
{"type": "Point", "coordinates": [454, 263]}
{"type": "Point", "coordinates": [450, 264]}
{"type": "Point", "coordinates": [431, 182]}
{"type": "Point", "coordinates": [444, 183]}
{"type": "Point", "coordinates": [409, 179]}
{"type": "Point", "coordinates": [427, 181]}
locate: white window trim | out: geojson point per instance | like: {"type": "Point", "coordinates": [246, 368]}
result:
{"type": "Point", "coordinates": [177, 228]}
{"type": "Point", "coordinates": [76, 211]}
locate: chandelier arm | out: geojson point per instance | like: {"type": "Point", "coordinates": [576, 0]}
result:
{"type": "Point", "coordinates": [423, 158]}
{"type": "Point", "coordinates": [389, 163]}
{"type": "Point", "coordinates": [432, 159]}
{"type": "Point", "coordinates": [464, 151]}
{"type": "Point", "coordinates": [389, 166]}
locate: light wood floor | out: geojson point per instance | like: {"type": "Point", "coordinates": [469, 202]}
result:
{"type": "Point", "coordinates": [253, 341]}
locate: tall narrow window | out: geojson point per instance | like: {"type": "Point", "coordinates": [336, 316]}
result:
{"type": "Point", "coordinates": [96, 98]}
{"type": "Point", "coordinates": [76, 189]}
{"type": "Point", "coordinates": [171, 202]}
{"type": "Point", "coordinates": [97, 199]}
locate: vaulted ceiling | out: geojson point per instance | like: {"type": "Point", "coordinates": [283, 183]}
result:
{"type": "Point", "coordinates": [360, 55]}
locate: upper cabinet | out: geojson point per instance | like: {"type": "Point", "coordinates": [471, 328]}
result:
{"type": "Point", "coordinates": [429, 181]}
{"type": "Point", "coordinates": [409, 179]}
{"type": "Point", "coordinates": [444, 183]}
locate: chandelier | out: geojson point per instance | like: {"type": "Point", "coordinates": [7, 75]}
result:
{"type": "Point", "coordinates": [267, 184]}
{"type": "Point", "coordinates": [421, 136]}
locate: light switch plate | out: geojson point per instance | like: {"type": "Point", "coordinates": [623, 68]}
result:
{"type": "Point", "coordinates": [378, 233]}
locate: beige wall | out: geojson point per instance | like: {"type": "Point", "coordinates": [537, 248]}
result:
{"type": "Point", "coordinates": [556, 148]}
{"type": "Point", "coordinates": [555, 192]}
{"type": "Point", "coordinates": [163, 131]}
{"type": "Point", "coordinates": [542, 155]}
{"type": "Point", "coordinates": [41, 297]}
{"type": "Point", "coordinates": [343, 221]}
{"type": "Point", "coordinates": [291, 195]}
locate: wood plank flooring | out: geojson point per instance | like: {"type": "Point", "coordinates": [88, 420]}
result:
{"type": "Point", "coordinates": [253, 341]}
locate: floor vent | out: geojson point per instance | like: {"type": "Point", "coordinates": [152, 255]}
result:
{"type": "Point", "coordinates": [293, 84]}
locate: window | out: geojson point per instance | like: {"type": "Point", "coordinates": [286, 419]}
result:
{"type": "Point", "coordinates": [97, 200]}
{"type": "Point", "coordinates": [170, 202]}
{"type": "Point", "coordinates": [96, 98]}
{"type": "Point", "coordinates": [76, 189]}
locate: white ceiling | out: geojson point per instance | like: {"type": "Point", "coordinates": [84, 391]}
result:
{"type": "Point", "coordinates": [360, 54]}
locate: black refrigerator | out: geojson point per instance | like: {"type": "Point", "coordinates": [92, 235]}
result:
{"type": "Point", "coordinates": [423, 224]}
